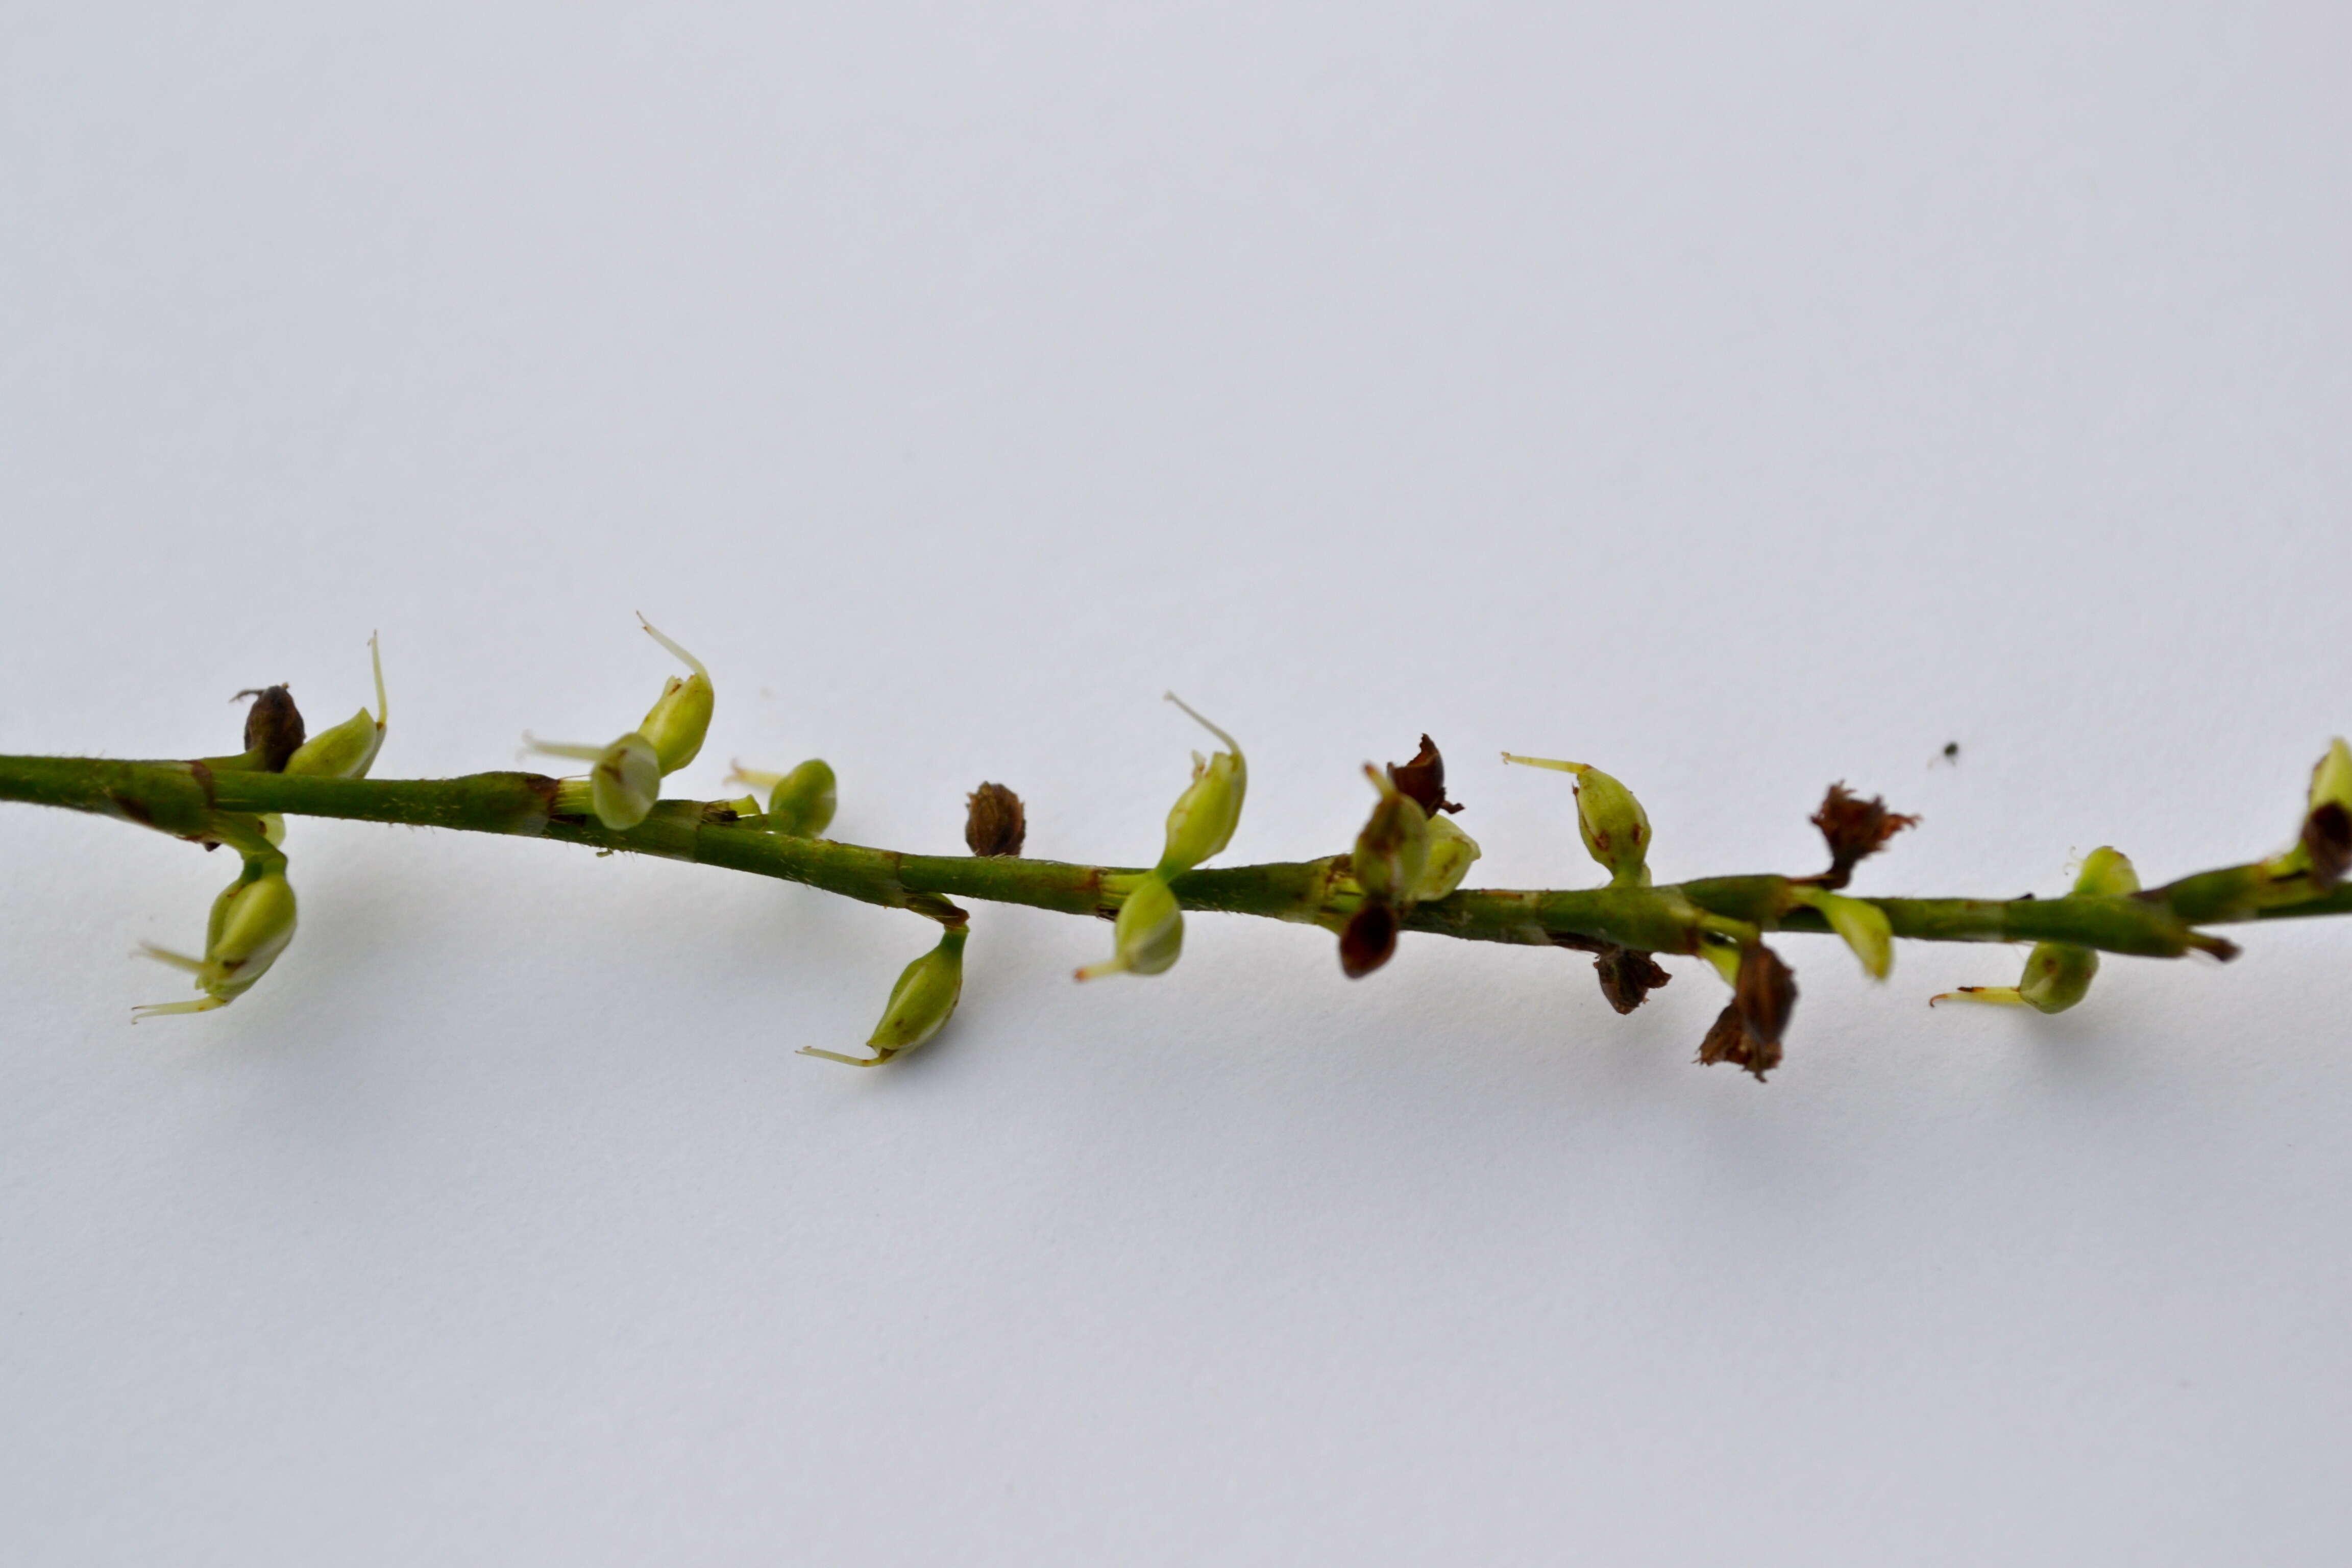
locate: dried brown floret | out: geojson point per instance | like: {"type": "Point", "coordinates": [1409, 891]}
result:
{"type": "Point", "coordinates": [1748, 1033]}
{"type": "Point", "coordinates": [1628, 975]}
{"type": "Point", "coordinates": [1423, 780]}
{"type": "Point", "coordinates": [1855, 828]}
{"type": "Point", "coordinates": [2327, 839]}
{"type": "Point", "coordinates": [1368, 939]}
{"type": "Point", "coordinates": [994, 823]}
{"type": "Point", "coordinates": [273, 727]}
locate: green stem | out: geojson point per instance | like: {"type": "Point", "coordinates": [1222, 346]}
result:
{"type": "Point", "coordinates": [195, 800]}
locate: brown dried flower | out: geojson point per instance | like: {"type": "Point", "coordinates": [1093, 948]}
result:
{"type": "Point", "coordinates": [1369, 938]}
{"type": "Point", "coordinates": [1628, 975]}
{"type": "Point", "coordinates": [1423, 780]}
{"type": "Point", "coordinates": [1748, 1033]}
{"type": "Point", "coordinates": [1856, 830]}
{"type": "Point", "coordinates": [2327, 839]}
{"type": "Point", "coordinates": [994, 822]}
{"type": "Point", "coordinates": [273, 727]}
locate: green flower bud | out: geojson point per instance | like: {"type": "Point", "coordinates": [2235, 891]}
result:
{"type": "Point", "coordinates": [622, 786]}
{"type": "Point", "coordinates": [1150, 932]}
{"type": "Point", "coordinates": [1451, 852]}
{"type": "Point", "coordinates": [920, 1005]}
{"type": "Point", "coordinates": [1615, 829]}
{"type": "Point", "coordinates": [1863, 925]}
{"type": "Point", "coordinates": [1202, 820]}
{"type": "Point", "coordinates": [252, 922]}
{"type": "Point", "coordinates": [800, 803]}
{"type": "Point", "coordinates": [2107, 873]}
{"type": "Point", "coordinates": [678, 722]}
{"type": "Point", "coordinates": [625, 782]}
{"type": "Point", "coordinates": [2058, 975]}
{"type": "Point", "coordinates": [1392, 851]}
{"type": "Point", "coordinates": [347, 751]}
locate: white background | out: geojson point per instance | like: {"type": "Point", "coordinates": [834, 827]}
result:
{"type": "Point", "coordinates": [1739, 401]}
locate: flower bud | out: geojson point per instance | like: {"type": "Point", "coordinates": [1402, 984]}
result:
{"type": "Point", "coordinates": [799, 802]}
{"type": "Point", "coordinates": [2107, 872]}
{"type": "Point", "coordinates": [1150, 932]}
{"type": "Point", "coordinates": [676, 723]}
{"type": "Point", "coordinates": [994, 823]}
{"type": "Point", "coordinates": [1615, 829]}
{"type": "Point", "coordinates": [252, 922]}
{"type": "Point", "coordinates": [347, 751]}
{"type": "Point", "coordinates": [920, 1005]}
{"type": "Point", "coordinates": [1451, 852]}
{"type": "Point", "coordinates": [1202, 820]}
{"type": "Point", "coordinates": [624, 782]}
{"type": "Point", "coordinates": [2058, 975]}
{"type": "Point", "coordinates": [1392, 851]}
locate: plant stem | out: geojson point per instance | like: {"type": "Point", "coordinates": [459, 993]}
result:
{"type": "Point", "coordinates": [190, 800]}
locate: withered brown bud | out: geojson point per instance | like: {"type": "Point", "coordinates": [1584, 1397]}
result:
{"type": "Point", "coordinates": [273, 727]}
{"type": "Point", "coordinates": [2327, 839]}
{"type": "Point", "coordinates": [1856, 830]}
{"type": "Point", "coordinates": [1748, 1033]}
{"type": "Point", "coordinates": [993, 821]}
{"type": "Point", "coordinates": [1368, 939]}
{"type": "Point", "coordinates": [1627, 976]}
{"type": "Point", "coordinates": [1423, 780]}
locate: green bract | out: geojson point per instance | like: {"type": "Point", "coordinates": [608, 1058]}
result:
{"type": "Point", "coordinates": [1861, 923]}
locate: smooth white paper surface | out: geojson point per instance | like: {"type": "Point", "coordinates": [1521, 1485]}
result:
{"type": "Point", "coordinates": [1736, 401]}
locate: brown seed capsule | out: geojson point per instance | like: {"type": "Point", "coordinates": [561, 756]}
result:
{"type": "Point", "coordinates": [1856, 830]}
{"type": "Point", "coordinates": [1748, 1033]}
{"type": "Point", "coordinates": [1627, 976]}
{"type": "Point", "coordinates": [273, 728]}
{"type": "Point", "coordinates": [1423, 780]}
{"type": "Point", "coordinates": [1368, 939]}
{"type": "Point", "coordinates": [994, 822]}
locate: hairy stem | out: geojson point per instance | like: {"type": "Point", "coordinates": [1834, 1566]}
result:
{"type": "Point", "coordinates": [194, 801]}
